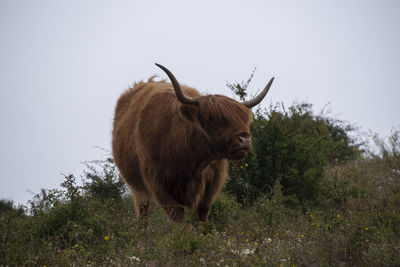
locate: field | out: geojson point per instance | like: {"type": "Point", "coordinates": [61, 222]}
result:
{"type": "Point", "coordinates": [355, 222]}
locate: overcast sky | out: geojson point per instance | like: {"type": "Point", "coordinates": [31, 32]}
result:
{"type": "Point", "coordinates": [63, 64]}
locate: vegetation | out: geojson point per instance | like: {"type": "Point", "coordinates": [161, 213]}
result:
{"type": "Point", "coordinates": [355, 222]}
{"type": "Point", "coordinates": [306, 196]}
{"type": "Point", "coordinates": [294, 146]}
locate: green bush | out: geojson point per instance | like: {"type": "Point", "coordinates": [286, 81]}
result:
{"type": "Point", "coordinates": [294, 146]}
{"type": "Point", "coordinates": [7, 206]}
{"type": "Point", "coordinates": [102, 180]}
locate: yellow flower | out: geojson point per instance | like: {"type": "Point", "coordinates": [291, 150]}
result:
{"type": "Point", "coordinates": [106, 238]}
{"type": "Point", "coordinates": [89, 261]}
{"type": "Point", "coordinates": [241, 233]}
{"type": "Point", "coordinates": [276, 234]}
{"type": "Point", "coordinates": [338, 215]}
{"type": "Point", "coordinates": [246, 165]}
{"type": "Point", "coordinates": [366, 228]}
{"type": "Point", "coordinates": [241, 166]}
{"type": "Point", "coordinates": [247, 241]}
{"type": "Point", "coordinates": [77, 245]}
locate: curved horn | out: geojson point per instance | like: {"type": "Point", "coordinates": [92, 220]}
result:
{"type": "Point", "coordinates": [178, 90]}
{"type": "Point", "coordinates": [255, 101]}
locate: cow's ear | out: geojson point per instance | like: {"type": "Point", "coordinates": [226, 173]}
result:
{"type": "Point", "coordinates": [189, 112]}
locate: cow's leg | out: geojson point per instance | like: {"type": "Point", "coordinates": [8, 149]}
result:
{"type": "Point", "coordinates": [160, 193]}
{"type": "Point", "coordinates": [142, 202]}
{"type": "Point", "coordinates": [214, 176]}
{"type": "Point", "coordinates": [204, 206]}
{"type": "Point", "coordinates": [171, 207]}
{"type": "Point", "coordinates": [141, 194]}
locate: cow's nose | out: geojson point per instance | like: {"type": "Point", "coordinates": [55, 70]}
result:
{"type": "Point", "coordinates": [244, 141]}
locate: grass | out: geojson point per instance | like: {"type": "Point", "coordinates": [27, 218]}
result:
{"type": "Point", "coordinates": [355, 221]}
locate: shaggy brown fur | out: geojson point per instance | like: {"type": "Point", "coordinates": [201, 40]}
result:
{"type": "Point", "coordinates": [174, 153]}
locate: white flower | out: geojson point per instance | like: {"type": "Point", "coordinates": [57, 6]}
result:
{"type": "Point", "coordinates": [267, 240]}
{"type": "Point", "coordinates": [234, 251]}
{"type": "Point", "coordinates": [134, 258]}
{"type": "Point", "coordinates": [248, 251]}
{"type": "Point", "coordinates": [244, 252]}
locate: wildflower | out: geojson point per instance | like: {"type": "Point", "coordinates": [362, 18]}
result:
{"type": "Point", "coordinates": [311, 215]}
{"type": "Point", "coordinates": [267, 240]}
{"type": "Point", "coordinates": [106, 238]}
{"type": "Point", "coordinates": [247, 165]}
{"type": "Point", "coordinates": [241, 166]}
{"type": "Point", "coordinates": [77, 245]}
{"type": "Point", "coordinates": [247, 241]}
{"type": "Point", "coordinates": [134, 259]}
{"type": "Point", "coordinates": [89, 261]}
{"type": "Point", "coordinates": [366, 228]}
{"type": "Point", "coordinates": [245, 252]}
{"type": "Point", "coordinates": [338, 216]}
{"type": "Point", "coordinates": [276, 234]}
{"type": "Point", "coordinates": [241, 233]}
{"type": "Point", "coordinates": [248, 251]}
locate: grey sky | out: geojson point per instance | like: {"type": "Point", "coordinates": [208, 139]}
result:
{"type": "Point", "coordinates": [63, 65]}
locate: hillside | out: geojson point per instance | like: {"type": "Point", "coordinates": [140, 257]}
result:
{"type": "Point", "coordinates": [349, 214]}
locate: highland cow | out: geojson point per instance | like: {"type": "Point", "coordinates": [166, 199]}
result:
{"type": "Point", "coordinates": [172, 145]}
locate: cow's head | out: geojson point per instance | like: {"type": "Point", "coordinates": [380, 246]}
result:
{"type": "Point", "coordinates": [223, 120]}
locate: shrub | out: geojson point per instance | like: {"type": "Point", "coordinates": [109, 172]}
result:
{"type": "Point", "coordinates": [102, 180]}
{"type": "Point", "coordinates": [293, 145]}
{"type": "Point", "coordinates": [7, 206]}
